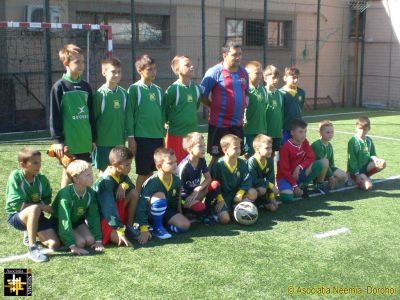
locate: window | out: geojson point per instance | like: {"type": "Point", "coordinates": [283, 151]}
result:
{"type": "Point", "coordinates": [151, 30]}
{"type": "Point", "coordinates": [251, 32]}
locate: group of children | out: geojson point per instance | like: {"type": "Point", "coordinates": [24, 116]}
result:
{"type": "Point", "coordinates": [92, 213]}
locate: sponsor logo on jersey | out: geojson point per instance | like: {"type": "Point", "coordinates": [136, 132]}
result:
{"type": "Point", "coordinates": [193, 183]}
{"type": "Point", "coordinates": [274, 103]}
{"type": "Point", "coordinates": [259, 97]}
{"type": "Point", "coordinates": [116, 104]}
{"type": "Point", "coordinates": [152, 97]}
{"type": "Point", "coordinates": [80, 211]}
{"type": "Point", "coordinates": [35, 197]}
{"type": "Point", "coordinates": [81, 114]}
{"type": "Point", "coordinates": [189, 98]}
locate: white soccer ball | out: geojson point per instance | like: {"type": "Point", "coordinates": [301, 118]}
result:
{"type": "Point", "coordinates": [246, 213]}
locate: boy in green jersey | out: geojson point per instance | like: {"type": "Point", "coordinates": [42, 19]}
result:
{"type": "Point", "coordinates": [254, 117]}
{"type": "Point", "coordinates": [28, 196]}
{"type": "Point", "coordinates": [112, 113]}
{"type": "Point", "coordinates": [233, 175]}
{"type": "Point", "coordinates": [293, 100]}
{"type": "Point", "coordinates": [71, 116]}
{"type": "Point", "coordinates": [182, 100]}
{"type": "Point", "coordinates": [76, 211]}
{"type": "Point", "coordinates": [323, 150]}
{"type": "Point", "coordinates": [362, 161]}
{"type": "Point", "coordinates": [274, 113]}
{"type": "Point", "coordinates": [148, 118]}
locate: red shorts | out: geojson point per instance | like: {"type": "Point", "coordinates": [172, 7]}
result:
{"type": "Point", "coordinates": [175, 143]}
{"type": "Point", "coordinates": [106, 229]}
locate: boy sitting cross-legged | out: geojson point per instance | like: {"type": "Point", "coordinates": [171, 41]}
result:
{"type": "Point", "coordinates": [75, 208]}
{"type": "Point", "coordinates": [297, 166]}
{"type": "Point", "coordinates": [117, 198]}
{"type": "Point", "coordinates": [161, 195]}
{"type": "Point", "coordinates": [261, 168]}
{"type": "Point", "coordinates": [28, 196]}
{"type": "Point", "coordinates": [233, 175]}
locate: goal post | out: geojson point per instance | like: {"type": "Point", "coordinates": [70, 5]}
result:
{"type": "Point", "coordinates": [23, 67]}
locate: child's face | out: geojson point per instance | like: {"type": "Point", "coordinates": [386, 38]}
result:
{"type": "Point", "coordinates": [169, 164]}
{"type": "Point", "coordinates": [186, 68]}
{"type": "Point", "coordinates": [326, 133]}
{"type": "Point", "coordinates": [265, 150]}
{"type": "Point", "coordinates": [124, 167]}
{"type": "Point", "coordinates": [112, 74]}
{"type": "Point", "coordinates": [299, 134]}
{"type": "Point", "coordinates": [233, 150]}
{"type": "Point", "coordinates": [362, 131]}
{"type": "Point", "coordinates": [85, 178]}
{"type": "Point", "coordinates": [271, 80]}
{"type": "Point", "coordinates": [291, 80]}
{"type": "Point", "coordinates": [149, 73]}
{"type": "Point", "coordinates": [255, 76]}
{"type": "Point", "coordinates": [32, 166]}
{"type": "Point", "coordinates": [198, 150]}
{"type": "Point", "coordinates": [76, 65]}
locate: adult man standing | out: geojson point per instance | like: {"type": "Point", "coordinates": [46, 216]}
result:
{"type": "Point", "coordinates": [225, 87]}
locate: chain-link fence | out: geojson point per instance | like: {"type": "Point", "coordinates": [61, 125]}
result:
{"type": "Point", "coordinates": [349, 56]}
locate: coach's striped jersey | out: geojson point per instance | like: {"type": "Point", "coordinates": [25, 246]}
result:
{"type": "Point", "coordinates": [228, 95]}
{"type": "Point", "coordinates": [261, 175]}
{"type": "Point", "coordinates": [20, 191]}
{"type": "Point", "coordinates": [274, 114]}
{"type": "Point", "coordinates": [190, 176]}
{"type": "Point", "coordinates": [70, 209]}
{"type": "Point", "coordinates": [148, 110]}
{"type": "Point", "coordinates": [321, 151]}
{"type": "Point", "coordinates": [154, 185]}
{"type": "Point", "coordinates": [232, 179]}
{"type": "Point", "coordinates": [71, 115]}
{"type": "Point", "coordinates": [360, 153]}
{"type": "Point", "coordinates": [255, 121]}
{"type": "Point", "coordinates": [182, 103]}
{"type": "Point", "coordinates": [293, 102]}
{"type": "Point", "coordinates": [113, 116]}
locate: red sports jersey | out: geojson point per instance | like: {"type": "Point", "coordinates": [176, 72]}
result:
{"type": "Point", "coordinates": [291, 156]}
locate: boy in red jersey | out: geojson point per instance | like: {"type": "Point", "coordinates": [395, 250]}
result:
{"type": "Point", "coordinates": [297, 166]}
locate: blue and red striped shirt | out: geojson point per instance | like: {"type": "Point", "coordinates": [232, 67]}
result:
{"type": "Point", "coordinates": [228, 95]}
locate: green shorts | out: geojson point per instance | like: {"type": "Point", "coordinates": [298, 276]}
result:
{"type": "Point", "coordinates": [100, 157]}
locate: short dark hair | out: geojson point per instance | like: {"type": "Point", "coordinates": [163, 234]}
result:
{"type": "Point", "coordinates": [298, 123]}
{"type": "Point", "coordinates": [143, 62]}
{"type": "Point", "coordinates": [118, 154]}
{"type": "Point", "coordinates": [230, 45]}
{"type": "Point", "coordinates": [112, 61]}
{"type": "Point", "coordinates": [26, 153]}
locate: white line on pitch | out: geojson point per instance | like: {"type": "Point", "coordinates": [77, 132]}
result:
{"type": "Point", "coordinates": [22, 256]}
{"type": "Point", "coordinates": [331, 233]}
{"type": "Point", "coordinates": [372, 136]}
{"type": "Point", "coordinates": [338, 114]}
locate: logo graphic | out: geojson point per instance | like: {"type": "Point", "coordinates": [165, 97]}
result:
{"type": "Point", "coordinates": [80, 211]}
{"type": "Point", "coordinates": [152, 97]}
{"type": "Point", "coordinates": [17, 282]}
{"type": "Point", "coordinates": [259, 97]}
{"type": "Point", "coordinates": [173, 192]}
{"type": "Point", "coordinates": [189, 98]}
{"type": "Point", "coordinates": [274, 103]}
{"type": "Point", "coordinates": [238, 174]}
{"type": "Point", "coordinates": [35, 197]}
{"type": "Point", "coordinates": [81, 110]}
{"type": "Point", "coordinates": [116, 104]}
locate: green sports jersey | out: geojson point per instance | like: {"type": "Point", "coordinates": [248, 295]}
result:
{"type": "Point", "coordinates": [20, 191]}
{"type": "Point", "coordinates": [359, 154]}
{"type": "Point", "coordinates": [261, 175]}
{"type": "Point", "coordinates": [148, 110]}
{"type": "Point", "coordinates": [232, 180]}
{"type": "Point", "coordinates": [69, 209]}
{"type": "Point", "coordinates": [324, 151]}
{"type": "Point", "coordinates": [254, 116]}
{"type": "Point", "coordinates": [293, 103]}
{"type": "Point", "coordinates": [182, 103]}
{"type": "Point", "coordinates": [274, 114]}
{"type": "Point", "coordinates": [154, 185]}
{"type": "Point", "coordinates": [113, 116]}
{"type": "Point", "coordinates": [71, 115]}
{"type": "Point", "coordinates": [106, 187]}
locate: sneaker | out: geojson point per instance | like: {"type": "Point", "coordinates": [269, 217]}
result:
{"type": "Point", "coordinates": [305, 192]}
{"type": "Point", "coordinates": [322, 188]}
{"type": "Point", "coordinates": [25, 239]}
{"type": "Point", "coordinates": [207, 220]}
{"type": "Point", "coordinates": [131, 233]}
{"type": "Point", "coordinates": [161, 233]}
{"type": "Point", "coordinates": [35, 255]}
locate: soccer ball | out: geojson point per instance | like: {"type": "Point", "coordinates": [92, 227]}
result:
{"type": "Point", "coordinates": [246, 213]}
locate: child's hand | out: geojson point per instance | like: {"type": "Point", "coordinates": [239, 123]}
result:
{"type": "Point", "coordinates": [59, 150]}
{"type": "Point", "coordinates": [79, 251]}
{"type": "Point", "coordinates": [378, 162]}
{"type": "Point", "coordinates": [98, 247]}
{"type": "Point", "coordinates": [275, 190]}
{"type": "Point", "coordinates": [47, 208]}
{"type": "Point", "coordinates": [132, 145]}
{"type": "Point", "coordinates": [144, 237]}
{"type": "Point", "coordinates": [166, 126]}
{"type": "Point", "coordinates": [297, 192]}
{"type": "Point", "coordinates": [123, 241]}
{"type": "Point", "coordinates": [332, 182]}
{"type": "Point", "coordinates": [296, 173]}
{"type": "Point", "coordinates": [120, 193]}
{"type": "Point", "coordinates": [237, 199]}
